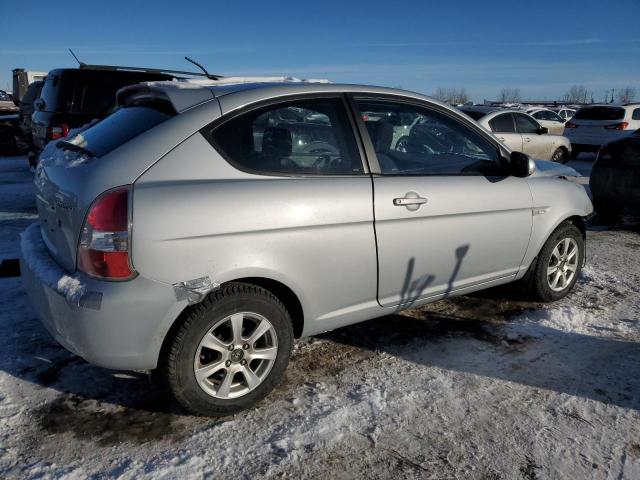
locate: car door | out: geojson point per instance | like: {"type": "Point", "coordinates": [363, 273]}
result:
{"type": "Point", "coordinates": [503, 127]}
{"type": "Point", "coordinates": [446, 216]}
{"type": "Point", "coordinates": [534, 143]}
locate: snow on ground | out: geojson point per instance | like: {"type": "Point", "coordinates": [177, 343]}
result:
{"type": "Point", "coordinates": [486, 386]}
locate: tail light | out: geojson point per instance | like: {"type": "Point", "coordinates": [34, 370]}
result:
{"type": "Point", "coordinates": [617, 126]}
{"type": "Point", "coordinates": [59, 131]}
{"type": "Point", "coordinates": [570, 125]}
{"type": "Point", "coordinates": [104, 248]}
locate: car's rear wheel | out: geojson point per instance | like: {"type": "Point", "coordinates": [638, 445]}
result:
{"type": "Point", "coordinates": [559, 263]}
{"type": "Point", "coordinates": [230, 352]}
{"type": "Point", "coordinates": [560, 155]}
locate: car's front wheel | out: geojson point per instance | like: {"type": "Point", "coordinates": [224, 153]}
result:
{"type": "Point", "coordinates": [230, 352]}
{"type": "Point", "coordinates": [559, 263]}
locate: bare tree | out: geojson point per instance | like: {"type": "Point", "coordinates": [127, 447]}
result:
{"type": "Point", "coordinates": [453, 96]}
{"type": "Point", "coordinates": [509, 95]}
{"type": "Point", "coordinates": [626, 95]}
{"type": "Point", "coordinates": [577, 94]}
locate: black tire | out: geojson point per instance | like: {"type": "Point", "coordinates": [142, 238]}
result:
{"type": "Point", "coordinates": [574, 153]}
{"type": "Point", "coordinates": [178, 364]}
{"type": "Point", "coordinates": [560, 155]}
{"type": "Point", "coordinates": [540, 282]}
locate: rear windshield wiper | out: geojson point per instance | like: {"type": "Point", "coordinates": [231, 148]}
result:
{"type": "Point", "coordinates": [74, 148]}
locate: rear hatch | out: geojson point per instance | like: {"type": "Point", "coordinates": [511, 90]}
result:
{"type": "Point", "coordinates": [65, 169]}
{"type": "Point", "coordinates": [592, 121]}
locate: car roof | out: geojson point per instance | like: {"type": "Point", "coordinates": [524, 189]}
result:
{"type": "Point", "coordinates": [185, 94]}
{"type": "Point", "coordinates": [490, 112]}
{"type": "Point", "coordinates": [482, 108]}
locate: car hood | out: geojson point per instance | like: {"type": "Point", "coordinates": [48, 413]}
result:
{"type": "Point", "coordinates": [545, 168]}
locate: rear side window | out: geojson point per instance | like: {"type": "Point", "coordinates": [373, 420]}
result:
{"type": "Point", "coordinates": [304, 137]}
{"type": "Point", "coordinates": [636, 114]}
{"type": "Point", "coordinates": [600, 113]}
{"type": "Point", "coordinates": [502, 124]}
{"type": "Point", "coordinates": [525, 124]}
{"type": "Point", "coordinates": [118, 128]}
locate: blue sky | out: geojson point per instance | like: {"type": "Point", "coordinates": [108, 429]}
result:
{"type": "Point", "coordinates": [542, 47]}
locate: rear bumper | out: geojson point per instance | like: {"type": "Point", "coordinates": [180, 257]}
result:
{"type": "Point", "coordinates": [119, 325]}
{"type": "Point", "coordinates": [588, 141]}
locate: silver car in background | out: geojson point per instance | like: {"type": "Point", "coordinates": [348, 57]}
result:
{"type": "Point", "coordinates": [199, 230]}
{"type": "Point", "coordinates": [521, 133]}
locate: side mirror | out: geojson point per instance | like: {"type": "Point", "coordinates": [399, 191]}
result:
{"type": "Point", "coordinates": [543, 131]}
{"type": "Point", "coordinates": [521, 165]}
{"type": "Point", "coordinates": [38, 104]}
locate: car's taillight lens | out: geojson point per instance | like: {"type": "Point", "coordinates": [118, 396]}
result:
{"type": "Point", "coordinates": [104, 248]}
{"type": "Point", "coordinates": [59, 131]}
{"type": "Point", "coordinates": [617, 126]}
{"type": "Point", "coordinates": [570, 125]}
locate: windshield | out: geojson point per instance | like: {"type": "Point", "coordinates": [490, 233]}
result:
{"type": "Point", "coordinates": [117, 129]}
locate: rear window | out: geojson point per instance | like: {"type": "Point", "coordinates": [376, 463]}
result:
{"type": "Point", "coordinates": [118, 128]}
{"type": "Point", "coordinates": [502, 124]}
{"type": "Point", "coordinates": [600, 113]}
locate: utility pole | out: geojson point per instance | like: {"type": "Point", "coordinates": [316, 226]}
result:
{"type": "Point", "coordinates": [613, 90]}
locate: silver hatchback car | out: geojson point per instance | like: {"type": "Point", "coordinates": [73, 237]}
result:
{"type": "Point", "coordinates": [200, 229]}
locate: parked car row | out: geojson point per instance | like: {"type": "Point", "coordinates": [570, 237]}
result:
{"type": "Point", "coordinates": [521, 132]}
{"type": "Point", "coordinates": [199, 230]}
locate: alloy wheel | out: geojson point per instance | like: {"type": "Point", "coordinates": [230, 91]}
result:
{"type": "Point", "coordinates": [563, 264]}
{"type": "Point", "coordinates": [236, 355]}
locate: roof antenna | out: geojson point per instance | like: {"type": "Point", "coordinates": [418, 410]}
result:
{"type": "Point", "coordinates": [81, 64]}
{"type": "Point", "coordinates": [206, 74]}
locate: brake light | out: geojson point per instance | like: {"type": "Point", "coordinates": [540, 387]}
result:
{"type": "Point", "coordinates": [617, 126]}
{"type": "Point", "coordinates": [59, 131]}
{"type": "Point", "coordinates": [570, 125]}
{"type": "Point", "coordinates": [104, 248]}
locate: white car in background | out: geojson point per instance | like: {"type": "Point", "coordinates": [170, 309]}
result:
{"type": "Point", "coordinates": [521, 133]}
{"type": "Point", "coordinates": [549, 119]}
{"type": "Point", "coordinates": [595, 125]}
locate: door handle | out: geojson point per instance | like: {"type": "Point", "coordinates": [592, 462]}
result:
{"type": "Point", "coordinates": [527, 139]}
{"type": "Point", "coordinates": [502, 139]}
{"type": "Point", "coordinates": [411, 200]}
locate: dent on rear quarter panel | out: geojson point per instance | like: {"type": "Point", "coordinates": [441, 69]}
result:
{"type": "Point", "coordinates": [194, 216]}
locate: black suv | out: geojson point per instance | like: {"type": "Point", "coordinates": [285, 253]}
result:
{"type": "Point", "coordinates": [72, 97]}
{"type": "Point", "coordinates": [24, 117]}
